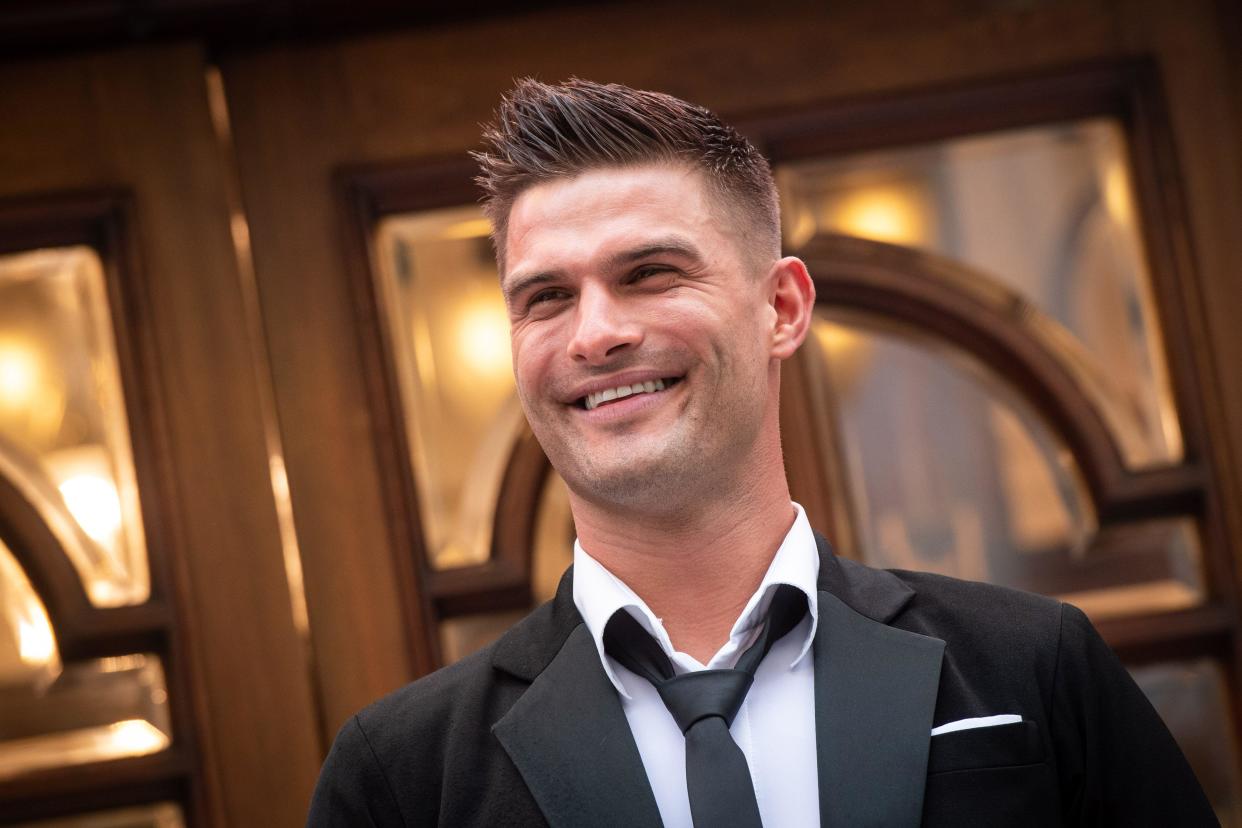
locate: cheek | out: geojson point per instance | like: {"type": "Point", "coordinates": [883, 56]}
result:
{"type": "Point", "coordinates": [522, 362]}
{"type": "Point", "coordinates": [532, 355]}
{"type": "Point", "coordinates": [692, 320]}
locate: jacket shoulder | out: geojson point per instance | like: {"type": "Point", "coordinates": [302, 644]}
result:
{"type": "Point", "coordinates": [425, 753]}
{"type": "Point", "coordinates": [948, 597]}
{"type": "Point", "coordinates": [427, 700]}
{"type": "Point", "coordinates": [460, 702]}
{"type": "Point", "coordinates": [998, 636]}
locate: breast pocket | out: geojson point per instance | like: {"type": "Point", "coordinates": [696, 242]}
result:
{"type": "Point", "coordinates": [998, 746]}
{"type": "Point", "coordinates": [990, 776]}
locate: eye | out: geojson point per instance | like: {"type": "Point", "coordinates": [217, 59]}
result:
{"type": "Point", "coordinates": [546, 296]}
{"type": "Point", "coordinates": [661, 273]}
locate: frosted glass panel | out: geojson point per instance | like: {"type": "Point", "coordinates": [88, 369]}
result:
{"type": "Point", "coordinates": [951, 472]}
{"type": "Point", "coordinates": [64, 437]}
{"type": "Point", "coordinates": [1047, 213]}
{"type": "Point", "coordinates": [450, 343]}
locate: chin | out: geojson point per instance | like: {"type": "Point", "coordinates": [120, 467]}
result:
{"type": "Point", "coordinates": [651, 485]}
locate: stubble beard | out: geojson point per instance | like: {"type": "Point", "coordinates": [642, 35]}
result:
{"type": "Point", "coordinates": [699, 458]}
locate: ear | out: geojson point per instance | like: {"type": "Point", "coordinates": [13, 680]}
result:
{"type": "Point", "coordinates": [791, 294]}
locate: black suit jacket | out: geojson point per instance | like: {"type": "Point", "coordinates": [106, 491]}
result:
{"type": "Point", "coordinates": [529, 731]}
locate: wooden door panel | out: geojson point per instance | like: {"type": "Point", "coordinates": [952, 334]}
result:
{"type": "Point", "coordinates": [137, 123]}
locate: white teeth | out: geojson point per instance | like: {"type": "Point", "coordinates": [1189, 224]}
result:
{"type": "Point", "coordinates": [648, 387]}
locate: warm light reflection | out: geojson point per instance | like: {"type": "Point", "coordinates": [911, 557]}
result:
{"type": "Point", "coordinates": [887, 214]}
{"type": "Point", "coordinates": [32, 400]}
{"type": "Point", "coordinates": [803, 230]}
{"type": "Point", "coordinates": [36, 644]}
{"type": "Point", "coordinates": [1132, 599]}
{"type": "Point", "coordinates": [483, 338]}
{"type": "Point", "coordinates": [135, 737]}
{"type": "Point", "coordinates": [288, 542]}
{"type": "Point", "coordinates": [24, 626]}
{"type": "Point", "coordinates": [468, 229]}
{"type": "Point", "coordinates": [129, 737]}
{"type": "Point", "coordinates": [837, 340]}
{"type": "Point", "coordinates": [19, 373]}
{"type": "Point", "coordinates": [93, 502]}
{"type": "Point", "coordinates": [1117, 193]}
{"type": "Point", "coordinates": [846, 350]}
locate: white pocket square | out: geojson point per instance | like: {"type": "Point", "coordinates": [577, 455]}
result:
{"type": "Point", "coordinates": [981, 721]}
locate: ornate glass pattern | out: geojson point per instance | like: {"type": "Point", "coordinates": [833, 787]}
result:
{"type": "Point", "coordinates": [450, 329]}
{"type": "Point", "coordinates": [951, 472]}
{"type": "Point", "coordinates": [1049, 214]}
{"type": "Point", "coordinates": [64, 436]}
{"type": "Point", "coordinates": [51, 716]}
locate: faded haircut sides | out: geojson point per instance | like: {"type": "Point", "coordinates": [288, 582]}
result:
{"type": "Point", "coordinates": [543, 132]}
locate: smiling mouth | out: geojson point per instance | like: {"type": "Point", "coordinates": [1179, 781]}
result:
{"type": "Point", "coordinates": [608, 395]}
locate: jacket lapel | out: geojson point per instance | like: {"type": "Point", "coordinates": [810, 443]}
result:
{"type": "Point", "coordinates": [569, 737]}
{"type": "Point", "coordinates": [875, 694]}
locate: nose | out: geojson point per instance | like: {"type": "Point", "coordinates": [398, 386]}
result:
{"type": "Point", "coordinates": [602, 327]}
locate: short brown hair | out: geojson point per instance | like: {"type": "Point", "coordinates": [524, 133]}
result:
{"type": "Point", "coordinates": [543, 132]}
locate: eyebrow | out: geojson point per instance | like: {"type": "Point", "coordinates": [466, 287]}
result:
{"type": "Point", "coordinates": [672, 245]}
{"type": "Point", "coordinates": [524, 283]}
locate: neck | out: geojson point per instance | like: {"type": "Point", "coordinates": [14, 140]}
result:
{"type": "Point", "coordinates": [698, 566]}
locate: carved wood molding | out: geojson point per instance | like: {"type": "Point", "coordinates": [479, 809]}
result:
{"type": "Point", "coordinates": [82, 630]}
{"type": "Point", "coordinates": [504, 581]}
{"type": "Point", "coordinates": [925, 293]}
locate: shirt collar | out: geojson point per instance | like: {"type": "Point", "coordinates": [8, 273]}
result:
{"type": "Point", "coordinates": [599, 594]}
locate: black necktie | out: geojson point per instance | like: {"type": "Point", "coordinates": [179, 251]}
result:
{"type": "Point", "coordinates": [703, 704]}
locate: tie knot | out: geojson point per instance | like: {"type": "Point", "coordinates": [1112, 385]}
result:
{"type": "Point", "coordinates": [695, 696]}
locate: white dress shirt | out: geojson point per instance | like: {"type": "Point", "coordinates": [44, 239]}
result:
{"type": "Point", "coordinates": [775, 727]}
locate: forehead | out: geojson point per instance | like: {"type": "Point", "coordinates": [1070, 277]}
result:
{"type": "Point", "coordinates": [578, 220]}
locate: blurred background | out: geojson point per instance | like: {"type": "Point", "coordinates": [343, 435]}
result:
{"type": "Point", "coordinates": [261, 460]}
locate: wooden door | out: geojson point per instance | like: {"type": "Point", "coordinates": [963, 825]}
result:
{"type": "Point", "coordinates": [285, 239]}
{"type": "Point", "coordinates": [171, 679]}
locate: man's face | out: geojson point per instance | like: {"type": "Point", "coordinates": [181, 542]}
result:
{"type": "Point", "coordinates": [641, 334]}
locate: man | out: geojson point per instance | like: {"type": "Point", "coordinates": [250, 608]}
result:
{"type": "Point", "coordinates": [639, 250]}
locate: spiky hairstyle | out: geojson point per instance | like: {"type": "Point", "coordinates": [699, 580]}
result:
{"type": "Point", "coordinates": [543, 132]}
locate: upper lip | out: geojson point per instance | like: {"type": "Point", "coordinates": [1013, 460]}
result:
{"type": "Point", "coordinates": [627, 378]}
